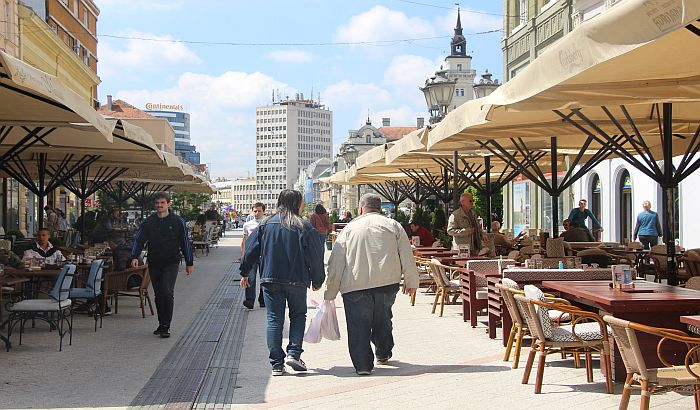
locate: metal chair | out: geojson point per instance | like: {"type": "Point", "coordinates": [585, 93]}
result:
{"type": "Point", "coordinates": [93, 289]}
{"type": "Point", "coordinates": [55, 310]}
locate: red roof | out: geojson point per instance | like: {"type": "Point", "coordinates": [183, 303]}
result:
{"type": "Point", "coordinates": [395, 133]}
{"type": "Point", "coordinates": [122, 109]}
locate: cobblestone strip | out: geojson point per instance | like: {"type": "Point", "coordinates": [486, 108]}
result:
{"type": "Point", "coordinates": [199, 366]}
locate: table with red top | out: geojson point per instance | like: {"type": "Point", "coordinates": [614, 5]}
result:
{"type": "Point", "coordinates": [693, 320]}
{"type": "Point", "coordinates": [434, 254]}
{"type": "Point", "coordinates": [649, 303]}
{"type": "Point", "coordinates": [459, 260]}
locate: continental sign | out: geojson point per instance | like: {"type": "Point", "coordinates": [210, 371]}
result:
{"type": "Point", "coordinates": [159, 106]}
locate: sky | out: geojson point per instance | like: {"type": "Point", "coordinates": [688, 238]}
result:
{"type": "Point", "coordinates": [221, 59]}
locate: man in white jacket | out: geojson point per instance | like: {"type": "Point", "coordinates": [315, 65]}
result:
{"type": "Point", "coordinates": [368, 259]}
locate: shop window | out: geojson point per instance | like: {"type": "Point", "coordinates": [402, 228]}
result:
{"type": "Point", "coordinates": [595, 204]}
{"type": "Point", "coordinates": [626, 217]}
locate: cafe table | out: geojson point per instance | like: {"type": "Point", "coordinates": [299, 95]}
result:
{"type": "Point", "coordinates": [693, 320]}
{"type": "Point", "coordinates": [435, 254]}
{"type": "Point", "coordinates": [473, 281]}
{"type": "Point", "coordinates": [648, 303]}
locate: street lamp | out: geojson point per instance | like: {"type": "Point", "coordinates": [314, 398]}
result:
{"type": "Point", "coordinates": [350, 155]}
{"type": "Point", "coordinates": [438, 93]}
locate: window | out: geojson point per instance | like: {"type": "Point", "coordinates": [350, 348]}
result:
{"type": "Point", "coordinates": [8, 24]}
{"type": "Point", "coordinates": [626, 217]}
{"type": "Point", "coordinates": [523, 12]}
{"type": "Point", "coordinates": [595, 204]}
{"type": "Point", "coordinates": [459, 67]}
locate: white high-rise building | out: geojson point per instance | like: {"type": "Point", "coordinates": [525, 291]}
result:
{"type": "Point", "coordinates": [290, 135]}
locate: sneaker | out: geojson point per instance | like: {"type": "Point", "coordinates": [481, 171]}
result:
{"type": "Point", "coordinates": [384, 360]}
{"type": "Point", "coordinates": [279, 370]}
{"type": "Point", "coordinates": [165, 333]}
{"type": "Point", "coordinates": [107, 312]}
{"type": "Point", "coordinates": [363, 372]}
{"type": "Point", "coordinates": [161, 329]}
{"type": "Point", "coordinates": [296, 364]}
{"type": "Point", "coordinates": [249, 304]}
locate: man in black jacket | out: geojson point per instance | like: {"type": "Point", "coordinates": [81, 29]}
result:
{"type": "Point", "coordinates": [165, 235]}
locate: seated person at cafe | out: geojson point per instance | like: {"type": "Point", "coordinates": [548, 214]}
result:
{"type": "Point", "coordinates": [104, 229]}
{"type": "Point", "coordinates": [43, 250]}
{"type": "Point", "coordinates": [566, 223]}
{"type": "Point", "coordinates": [577, 234]}
{"type": "Point", "coordinates": [502, 244]}
{"type": "Point", "coordinates": [212, 214]}
{"type": "Point", "coordinates": [426, 238]}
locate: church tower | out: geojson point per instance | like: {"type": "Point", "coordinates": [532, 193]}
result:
{"type": "Point", "coordinates": [458, 65]}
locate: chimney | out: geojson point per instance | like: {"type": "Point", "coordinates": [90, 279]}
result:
{"type": "Point", "coordinates": [109, 103]}
{"type": "Point", "coordinates": [420, 122]}
{"type": "Point", "coordinates": [386, 122]}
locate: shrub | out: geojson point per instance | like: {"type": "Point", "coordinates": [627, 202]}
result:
{"type": "Point", "coordinates": [16, 233]}
{"type": "Point", "coordinates": [439, 221]}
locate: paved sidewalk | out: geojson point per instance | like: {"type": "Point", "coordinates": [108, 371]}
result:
{"type": "Point", "coordinates": [109, 368]}
{"type": "Point", "coordinates": [438, 362]}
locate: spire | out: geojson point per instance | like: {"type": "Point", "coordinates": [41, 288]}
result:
{"type": "Point", "coordinates": [458, 28]}
{"type": "Point", "coordinates": [458, 44]}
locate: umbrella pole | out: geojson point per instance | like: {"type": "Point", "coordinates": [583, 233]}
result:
{"type": "Point", "coordinates": [455, 182]}
{"type": "Point", "coordinates": [487, 167]}
{"type": "Point", "coordinates": [555, 190]}
{"type": "Point", "coordinates": [668, 189]}
{"type": "Point", "coordinates": [82, 219]}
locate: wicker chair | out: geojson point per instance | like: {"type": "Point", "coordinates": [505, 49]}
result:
{"type": "Point", "coordinates": [586, 335]}
{"type": "Point", "coordinates": [674, 378]}
{"type": "Point", "coordinates": [691, 260]}
{"type": "Point", "coordinates": [425, 278]}
{"type": "Point", "coordinates": [519, 328]}
{"type": "Point", "coordinates": [116, 284]}
{"type": "Point", "coordinates": [444, 286]}
{"type": "Point", "coordinates": [658, 255]}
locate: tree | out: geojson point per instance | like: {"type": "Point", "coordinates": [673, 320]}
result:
{"type": "Point", "coordinates": [189, 205]}
{"type": "Point", "coordinates": [439, 220]}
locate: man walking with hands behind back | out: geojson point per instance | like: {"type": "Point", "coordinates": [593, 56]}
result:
{"type": "Point", "coordinates": [367, 262]}
{"type": "Point", "coordinates": [165, 236]}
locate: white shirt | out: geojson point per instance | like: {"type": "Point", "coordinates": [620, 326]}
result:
{"type": "Point", "coordinates": [52, 258]}
{"type": "Point", "coordinates": [250, 226]}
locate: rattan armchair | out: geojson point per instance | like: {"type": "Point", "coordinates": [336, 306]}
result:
{"type": "Point", "coordinates": [519, 328]}
{"type": "Point", "coordinates": [425, 278]}
{"type": "Point", "coordinates": [445, 287]}
{"type": "Point", "coordinates": [116, 284]}
{"type": "Point", "coordinates": [587, 334]}
{"type": "Point", "coordinates": [672, 377]}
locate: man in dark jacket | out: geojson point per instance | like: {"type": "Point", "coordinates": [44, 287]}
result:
{"type": "Point", "coordinates": [286, 249]}
{"type": "Point", "coordinates": [165, 235]}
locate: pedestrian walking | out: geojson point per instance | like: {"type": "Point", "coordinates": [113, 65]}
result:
{"type": "Point", "coordinates": [165, 236]}
{"type": "Point", "coordinates": [258, 212]}
{"type": "Point", "coordinates": [368, 259]}
{"type": "Point", "coordinates": [580, 215]}
{"type": "Point", "coordinates": [648, 227]}
{"type": "Point", "coordinates": [286, 249]}
{"type": "Point", "coordinates": [320, 221]}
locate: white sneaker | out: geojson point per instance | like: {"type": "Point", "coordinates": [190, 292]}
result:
{"type": "Point", "coordinates": [296, 364]}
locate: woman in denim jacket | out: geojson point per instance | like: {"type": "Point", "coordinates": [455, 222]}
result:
{"type": "Point", "coordinates": [286, 249]}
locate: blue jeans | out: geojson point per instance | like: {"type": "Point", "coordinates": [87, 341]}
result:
{"type": "Point", "coordinates": [277, 297]}
{"type": "Point", "coordinates": [368, 316]}
{"type": "Point", "coordinates": [250, 290]}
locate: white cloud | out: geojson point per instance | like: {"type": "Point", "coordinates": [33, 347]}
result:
{"type": "Point", "coordinates": [381, 23]}
{"type": "Point", "coordinates": [222, 110]}
{"type": "Point", "coordinates": [290, 56]}
{"type": "Point", "coordinates": [136, 55]}
{"type": "Point", "coordinates": [348, 94]}
{"type": "Point", "coordinates": [409, 71]}
{"type": "Point", "coordinates": [472, 21]}
{"type": "Point", "coordinates": [146, 5]}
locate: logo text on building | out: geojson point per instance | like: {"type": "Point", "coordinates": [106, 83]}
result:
{"type": "Point", "coordinates": [159, 106]}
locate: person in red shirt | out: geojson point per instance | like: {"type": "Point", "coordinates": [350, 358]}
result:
{"type": "Point", "coordinates": [426, 238]}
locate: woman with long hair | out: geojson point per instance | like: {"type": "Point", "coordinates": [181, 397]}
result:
{"type": "Point", "coordinates": [286, 249]}
{"type": "Point", "coordinates": [320, 221]}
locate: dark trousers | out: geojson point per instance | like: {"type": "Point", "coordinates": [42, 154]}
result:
{"type": "Point", "coordinates": [250, 290]}
{"type": "Point", "coordinates": [163, 281]}
{"type": "Point", "coordinates": [648, 241]}
{"type": "Point", "coordinates": [368, 316]}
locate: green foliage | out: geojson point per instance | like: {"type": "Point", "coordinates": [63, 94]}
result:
{"type": "Point", "coordinates": [444, 238]}
{"type": "Point", "coordinates": [57, 242]}
{"type": "Point", "coordinates": [189, 205]}
{"type": "Point", "coordinates": [480, 203]}
{"type": "Point", "coordinates": [422, 218]}
{"type": "Point", "coordinates": [401, 217]}
{"type": "Point", "coordinates": [439, 221]}
{"type": "Point", "coordinates": [334, 217]}
{"type": "Point", "coordinates": [16, 233]}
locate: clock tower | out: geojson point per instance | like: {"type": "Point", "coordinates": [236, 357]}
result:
{"type": "Point", "coordinates": [458, 66]}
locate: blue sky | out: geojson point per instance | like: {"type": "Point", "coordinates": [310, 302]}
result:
{"type": "Point", "coordinates": [221, 84]}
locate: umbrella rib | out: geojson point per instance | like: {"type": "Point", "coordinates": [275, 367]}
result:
{"type": "Point", "coordinates": [687, 156]}
{"type": "Point", "coordinates": [649, 156]}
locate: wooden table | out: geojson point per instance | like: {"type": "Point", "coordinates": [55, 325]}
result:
{"type": "Point", "coordinates": [434, 254]}
{"type": "Point", "coordinates": [691, 320]}
{"type": "Point", "coordinates": [473, 278]}
{"type": "Point", "coordinates": [660, 306]}
{"type": "Point", "coordinates": [459, 260]}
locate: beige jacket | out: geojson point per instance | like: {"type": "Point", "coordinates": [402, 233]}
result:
{"type": "Point", "coordinates": [371, 251]}
{"type": "Point", "coordinates": [462, 231]}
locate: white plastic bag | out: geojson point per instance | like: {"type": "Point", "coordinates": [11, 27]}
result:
{"type": "Point", "coordinates": [324, 323]}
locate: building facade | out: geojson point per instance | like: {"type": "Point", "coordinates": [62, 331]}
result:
{"type": "Point", "coordinates": [180, 122]}
{"type": "Point", "coordinates": [458, 66]}
{"type": "Point", "coordinates": [290, 135]}
{"type": "Point", "coordinates": [244, 194]}
{"type": "Point", "coordinates": [60, 38]}
{"type": "Point", "coordinates": [9, 22]}
{"type": "Point", "coordinates": [158, 128]}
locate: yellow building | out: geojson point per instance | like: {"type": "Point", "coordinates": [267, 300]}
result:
{"type": "Point", "coordinates": [9, 22]}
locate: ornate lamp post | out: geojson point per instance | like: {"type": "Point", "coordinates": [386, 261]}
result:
{"type": "Point", "coordinates": [350, 155]}
{"type": "Point", "coordinates": [438, 91]}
